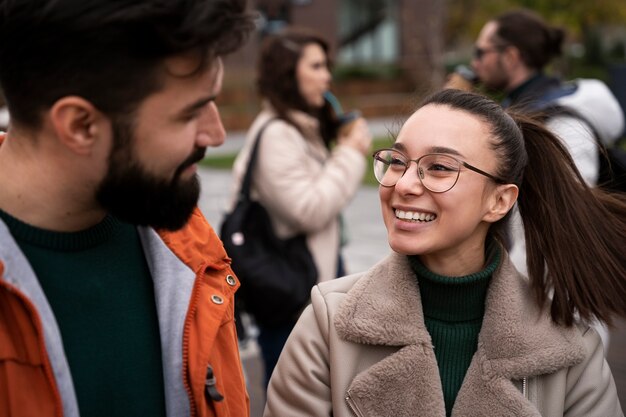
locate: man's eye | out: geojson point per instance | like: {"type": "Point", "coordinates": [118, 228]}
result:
{"type": "Point", "coordinates": [190, 116]}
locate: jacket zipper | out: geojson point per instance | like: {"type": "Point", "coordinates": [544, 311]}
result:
{"type": "Point", "coordinates": [525, 387]}
{"type": "Point", "coordinates": [186, 381]}
{"type": "Point", "coordinates": [352, 406]}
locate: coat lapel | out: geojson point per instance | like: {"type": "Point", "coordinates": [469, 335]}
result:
{"type": "Point", "coordinates": [384, 308]}
{"type": "Point", "coordinates": [517, 340]}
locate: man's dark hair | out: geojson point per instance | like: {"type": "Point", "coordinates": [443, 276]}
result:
{"type": "Point", "coordinates": [537, 42]}
{"type": "Point", "coordinates": [108, 52]}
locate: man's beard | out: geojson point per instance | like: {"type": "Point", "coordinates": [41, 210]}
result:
{"type": "Point", "coordinates": [499, 79]}
{"type": "Point", "coordinates": [136, 196]}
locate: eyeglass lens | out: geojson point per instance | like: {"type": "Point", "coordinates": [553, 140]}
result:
{"type": "Point", "coordinates": [437, 172]}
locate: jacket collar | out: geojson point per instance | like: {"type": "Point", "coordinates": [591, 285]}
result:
{"type": "Point", "coordinates": [517, 340]}
{"type": "Point", "coordinates": [196, 244]}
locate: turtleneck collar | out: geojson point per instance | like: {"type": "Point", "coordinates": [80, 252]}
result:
{"type": "Point", "coordinates": [455, 299]}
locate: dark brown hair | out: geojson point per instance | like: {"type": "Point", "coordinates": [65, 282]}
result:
{"type": "Point", "coordinates": [537, 42]}
{"type": "Point", "coordinates": [276, 76]}
{"type": "Point", "coordinates": [110, 53]}
{"type": "Point", "coordinates": [575, 234]}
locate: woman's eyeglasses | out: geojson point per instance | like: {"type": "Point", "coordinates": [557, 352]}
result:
{"type": "Point", "coordinates": [437, 172]}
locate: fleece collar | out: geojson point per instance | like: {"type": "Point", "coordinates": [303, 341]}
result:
{"type": "Point", "coordinates": [517, 340]}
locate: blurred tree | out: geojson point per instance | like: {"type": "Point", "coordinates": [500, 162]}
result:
{"type": "Point", "coordinates": [421, 38]}
{"type": "Point", "coordinates": [579, 18]}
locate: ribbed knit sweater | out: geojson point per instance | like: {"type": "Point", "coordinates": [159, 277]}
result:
{"type": "Point", "coordinates": [100, 289]}
{"type": "Point", "coordinates": [453, 313]}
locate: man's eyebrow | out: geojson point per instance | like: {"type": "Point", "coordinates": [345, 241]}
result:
{"type": "Point", "coordinates": [198, 104]}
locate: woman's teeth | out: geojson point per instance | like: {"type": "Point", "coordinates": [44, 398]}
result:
{"type": "Point", "coordinates": [414, 216]}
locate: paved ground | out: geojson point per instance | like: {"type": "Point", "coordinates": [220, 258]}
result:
{"type": "Point", "coordinates": [368, 244]}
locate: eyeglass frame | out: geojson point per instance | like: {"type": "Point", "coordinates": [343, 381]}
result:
{"type": "Point", "coordinates": [478, 53]}
{"type": "Point", "coordinates": [417, 160]}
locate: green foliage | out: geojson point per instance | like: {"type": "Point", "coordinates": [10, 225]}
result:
{"type": "Point", "coordinates": [584, 21]}
{"type": "Point", "coordinates": [219, 161]}
{"type": "Point", "coordinates": [378, 72]}
{"type": "Point", "coordinates": [466, 17]}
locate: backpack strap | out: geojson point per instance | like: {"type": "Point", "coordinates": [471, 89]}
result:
{"type": "Point", "coordinates": [550, 96]}
{"type": "Point", "coordinates": [246, 183]}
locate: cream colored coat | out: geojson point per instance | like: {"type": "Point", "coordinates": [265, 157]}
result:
{"type": "Point", "coordinates": [303, 186]}
{"type": "Point", "coordinates": [362, 349]}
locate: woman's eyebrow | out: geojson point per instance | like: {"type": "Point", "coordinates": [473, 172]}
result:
{"type": "Point", "coordinates": [434, 149]}
{"type": "Point", "coordinates": [443, 149]}
{"type": "Point", "coordinates": [399, 147]}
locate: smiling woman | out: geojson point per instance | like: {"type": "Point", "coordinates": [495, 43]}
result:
{"type": "Point", "coordinates": [446, 325]}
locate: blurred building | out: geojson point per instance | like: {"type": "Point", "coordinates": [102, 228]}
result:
{"type": "Point", "coordinates": [360, 31]}
{"type": "Point", "coordinates": [381, 50]}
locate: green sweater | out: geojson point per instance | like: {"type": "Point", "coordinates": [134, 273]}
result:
{"type": "Point", "coordinates": [453, 314]}
{"type": "Point", "coordinates": [100, 289]}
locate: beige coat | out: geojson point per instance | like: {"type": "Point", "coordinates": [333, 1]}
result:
{"type": "Point", "coordinates": [303, 186]}
{"type": "Point", "coordinates": [362, 349]}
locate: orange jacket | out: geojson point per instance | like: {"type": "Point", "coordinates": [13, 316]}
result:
{"type": "Point", "coordinates": [34, 377]}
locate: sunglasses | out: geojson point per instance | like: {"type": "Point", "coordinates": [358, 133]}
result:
{"type": "Point", "coordinates": [480, 52]}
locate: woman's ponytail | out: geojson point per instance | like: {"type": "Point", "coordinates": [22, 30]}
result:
{"type": "Point", "coordinates": [575, 234]}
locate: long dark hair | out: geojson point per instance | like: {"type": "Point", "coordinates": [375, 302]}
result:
{"type": "Point", "coordinates": [276, 77]}
{"type": "Point", "coordinates": [575, 234]}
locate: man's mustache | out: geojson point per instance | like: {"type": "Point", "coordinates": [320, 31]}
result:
{"type": "Point", "coordinates": [196, 156]}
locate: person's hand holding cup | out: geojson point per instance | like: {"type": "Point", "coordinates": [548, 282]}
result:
{"type": "Point", "coordinates": [354, 132]}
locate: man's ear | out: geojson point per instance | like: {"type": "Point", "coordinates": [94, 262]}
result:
{"type": "Point", "coordinates": [77, 123]}
{"type": "Point", "coordinates": [500, 202]}
{"type": "Point", "coordinates": [512, 56]}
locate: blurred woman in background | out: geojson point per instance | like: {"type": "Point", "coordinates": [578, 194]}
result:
{"type": "Point", "coordinates": [308, 169]}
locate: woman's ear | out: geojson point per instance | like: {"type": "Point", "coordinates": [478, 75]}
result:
{"type": "Point", "coordinates": [77, 123]}
{"type": "Point", "coordinates": [500, 202]}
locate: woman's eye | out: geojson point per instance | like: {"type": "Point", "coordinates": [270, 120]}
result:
{"type": "Point", "coordinates": [396, 161]}
{"type": "Point", "coordinates": [440, 167]}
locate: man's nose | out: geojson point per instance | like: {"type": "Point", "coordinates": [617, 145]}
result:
{"type": "Point", "coordinates": [211, 131]}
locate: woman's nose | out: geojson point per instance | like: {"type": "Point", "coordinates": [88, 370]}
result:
{"type": "Point", "coordinates": [410, 182]}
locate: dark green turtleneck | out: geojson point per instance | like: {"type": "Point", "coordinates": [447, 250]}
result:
{"type": "Point", "coordinates": [453, 314]}
{"type": "Point", "coordinates": [100, 289]}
